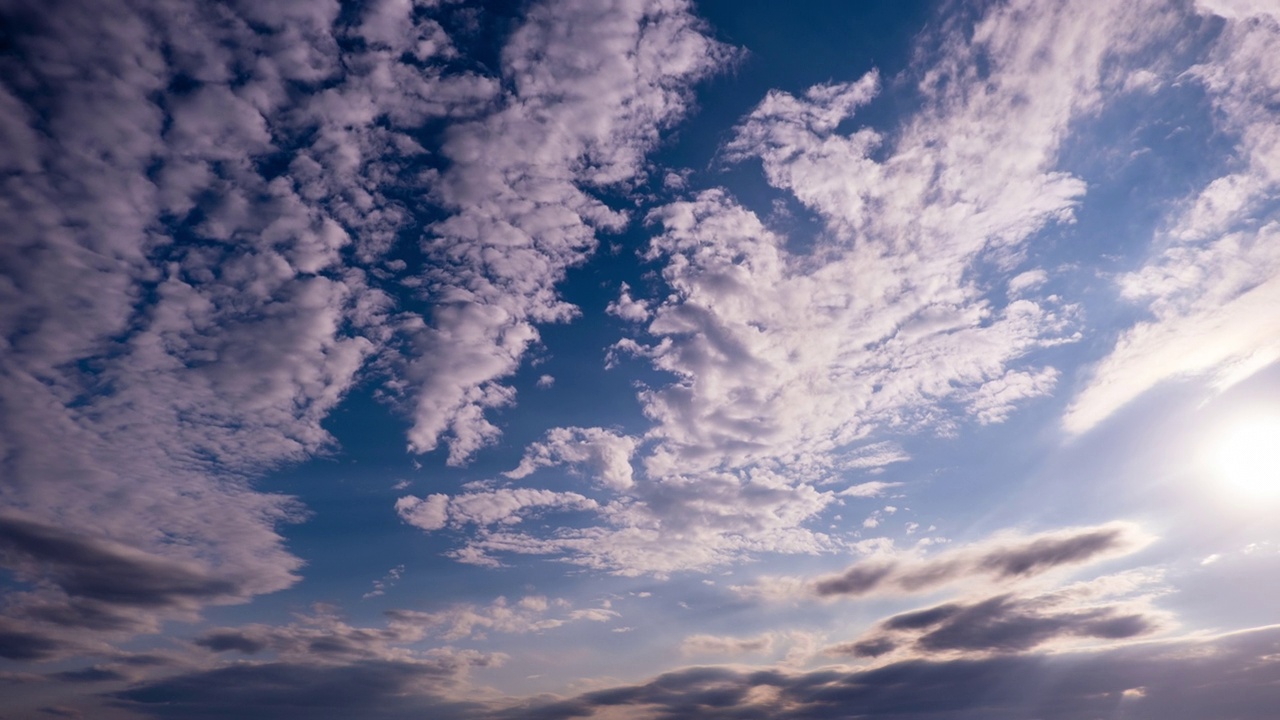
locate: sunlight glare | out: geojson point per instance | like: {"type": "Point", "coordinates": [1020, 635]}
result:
{"type": "Point", "coordinates": [1245, 456]}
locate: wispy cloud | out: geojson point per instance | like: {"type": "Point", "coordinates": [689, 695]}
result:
{"type": "Point", "coordinates": [1212, 285]}
{"type": "Point", "coordinates": [1004, 558]}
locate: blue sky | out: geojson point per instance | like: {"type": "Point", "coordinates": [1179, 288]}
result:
{"type": "Point", "coordinates": [639, 359]}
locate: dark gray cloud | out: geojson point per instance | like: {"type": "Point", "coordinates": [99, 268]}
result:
{"type": "Point", "coordinates": [93, 674]}
{"type": "Point", "coordinates": [99, 570]}
{"type": "Point", "coordinates": [378, 690]}
{"type": "Point", "coordinates": [1044, 553]}
{"type": "Point", "coordinates": [1000, 624]}
{"type": "Point", "coordinates": [20, 644]}
{"type": "Point", "coordinates": [1006, 558]}
{"type": "Point", "coordinates": [1235, 676]}
{"type": "Point", "coordinates": [87, 589]}
{"type": "Point", "coordinates": [224, 640]}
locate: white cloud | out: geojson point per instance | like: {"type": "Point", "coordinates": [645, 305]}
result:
{"type": "Point", "coordinates": [871, 489]}
{"type": "Point", "coordinates": [786, 361]}
{"type": "Point", "coordinates": [184, 318]}
{"type": "Point", "coordinates": [592, 85]}
{"type": "Point", "coordinates": [607, 453]}
{"type": "Point", "coordinates": [1213, 284]}
{"type": "Point", "coordinates": [505, 506]}
{"type": "Point", "coordinates": [731, 646]}
{"type": "Point", "coordinates": [387, 581]}
{"type": "Point", "coordinates": [530, 614]}
{"type": "Point", "coordinates": [627, 307]}
{"type": "Point", "coordinates": [783, 357]}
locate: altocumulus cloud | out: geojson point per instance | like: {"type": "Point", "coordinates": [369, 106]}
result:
{"type": "Point", "coordinates": [221, 218]}
{"type": "Point", "coordinates": [197, 265]}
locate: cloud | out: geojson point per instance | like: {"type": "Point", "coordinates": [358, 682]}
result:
{"type": "Point", "coordinates": [387, 581]}
{"type": "Point", "coordinates": [1003, 624]}
{"type": "Point", "coordinates": [199, 222]}
{"type": "Point", "coordinates": [1212, 285]}
{"type": "Point", "coordinates": [781, 354]}
{"type": "Point", "coordinates": [787, 364]}
{"type": "Point", "coordinates": [89, 588]}
{"type": "Point", "coordinates": [627, 307]}
{"type": "Point", "coordinates": [679, 523]}
{"type": "Point", "coordinates": [1005, 558]}
{"type": "Point", "coordinates": [875, 488]}
{"type": "Point", "coordinates": [372, 689]}
{"type": "Point", "coordinates": [17, 643]}
{"type": "Point", "coordinates": [103, 571]}
{"type": "Point", "coordinates": [607, 453]}
{"type": "Point", "coordinates": [527, 615]}
{"type": "Point", "coordinates": [178, 314]}
{"type": "Point", "coordinates": [504, 505]}
{"type": "Point", "coordinates": [322, 636]}
{"type": "Point", "coordinates": [1184, 679]}
{"type": "Point", "coordinates": [730, 646]}
{"type": "Point", "coordinates": [591, 85]}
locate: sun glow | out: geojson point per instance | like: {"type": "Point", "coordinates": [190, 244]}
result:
{"type": "Point", "coordinates": [1245, 457]}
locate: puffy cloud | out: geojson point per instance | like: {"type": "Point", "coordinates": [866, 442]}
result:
{"type": "Point", "coordinates": [783, 356]}
{"type": "Point", "coordinates": [680, 523]}
{"type": "Point", "coordinates": [200, 201]}
{"type": "Point", "coordinates": [627, 307]}
{"type": "Point", "coordinates": [592, 84]}
{"type": "Point", "coordinates": [505, 505]}
{"type": "Point", "coordinates": [607, 453]}
{"type": "Point", "coordinates": [786, 362]}
{"type": "Point", "coordinates": [176, 309]}
{"type": "Point", "coordinates": [532, 613]}
{"type": "Point", "coordinates": [387, 581]}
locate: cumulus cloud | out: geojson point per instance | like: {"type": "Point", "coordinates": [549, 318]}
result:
{"type": "Point", "coordinates": [387, 581]}
{"type": "Point", "coordinates": [592, 85]}
{"type": "Point", "coordinates": [785, 356]}
{"type": "Point", "coordinates": [200, 204]}
{"type": "Point", "coordinates": [178, 313]}
{"type": "Point", "coordinates": [505, 506]}
{"type": "Point", "coordinates": [627, 307]}
{"type": "Point", "coordinates": [607, 454]}
{"type": "Point", "coordinates": [679, 523]}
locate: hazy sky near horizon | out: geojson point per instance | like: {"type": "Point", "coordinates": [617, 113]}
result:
{"type": "Point", "coordinates": [640, 359]}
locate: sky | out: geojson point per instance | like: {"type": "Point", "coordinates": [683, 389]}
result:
{"type": "Point", "coordinates": [639, 359]}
